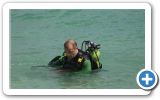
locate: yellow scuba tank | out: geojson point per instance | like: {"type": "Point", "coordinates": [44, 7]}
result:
{"type": "Point", "coordinates": [95, 56]}
{"type": "Point", "coordinates": [92, 49]}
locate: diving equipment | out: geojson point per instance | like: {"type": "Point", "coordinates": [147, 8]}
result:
{"type": "Point", "coordinates": [92, 50]}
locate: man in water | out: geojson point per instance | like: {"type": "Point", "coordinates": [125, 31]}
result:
{"type": "Point", "coordinates": [73, 58]}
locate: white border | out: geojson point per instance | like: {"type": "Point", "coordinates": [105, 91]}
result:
{"type": "Point", "coordinates": [6, 57]}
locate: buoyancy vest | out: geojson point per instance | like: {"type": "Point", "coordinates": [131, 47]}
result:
{"type": "Point", "coordinates": [75, 63]}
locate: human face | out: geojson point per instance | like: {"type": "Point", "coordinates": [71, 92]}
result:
{"type": "Point", "coordinates": [70, 49]}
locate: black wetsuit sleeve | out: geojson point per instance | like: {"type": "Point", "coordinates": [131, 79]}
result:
{"type": "Point", "coordinates": [56, 62]}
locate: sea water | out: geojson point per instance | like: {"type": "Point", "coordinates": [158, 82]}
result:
{"type": "Point", "coordinates": [36, 36]}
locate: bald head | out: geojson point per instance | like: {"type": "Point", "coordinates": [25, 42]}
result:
{"type": "Point", "coordinates": [70, 46]}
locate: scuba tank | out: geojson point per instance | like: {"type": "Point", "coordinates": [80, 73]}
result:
{"type": "Point", "coordinates": [92, 50]}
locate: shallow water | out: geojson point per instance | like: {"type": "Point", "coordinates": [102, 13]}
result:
{"type": "Point", "coordinates": [38, 35]}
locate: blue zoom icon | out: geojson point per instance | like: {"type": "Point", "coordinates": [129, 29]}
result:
{"type": "Point", "coordinates": [147, 79]}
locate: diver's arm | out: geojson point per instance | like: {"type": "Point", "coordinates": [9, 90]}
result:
{"type": "Point", "coordinates": [56, 62]}
{"type": "Point", "coordinates": [86, 66]}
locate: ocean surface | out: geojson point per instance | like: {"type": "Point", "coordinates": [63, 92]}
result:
{"type": "Point", "coordinates": [36, 36]}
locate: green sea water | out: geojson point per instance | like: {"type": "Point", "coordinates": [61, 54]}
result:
{"type": "Point", "coordinates": [36, 36]}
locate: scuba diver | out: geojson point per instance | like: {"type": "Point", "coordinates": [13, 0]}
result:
{"type": "Point", "coordinates": [75, 59]}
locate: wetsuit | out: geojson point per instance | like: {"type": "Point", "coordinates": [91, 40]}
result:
{"type": "Point", "coordinates": [80, 62]}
